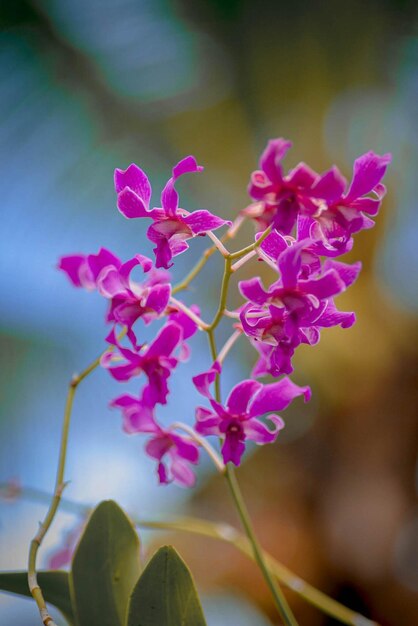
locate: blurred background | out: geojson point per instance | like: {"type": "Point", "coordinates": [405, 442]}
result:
{"type": "Point", "coordinates": [90, 85]}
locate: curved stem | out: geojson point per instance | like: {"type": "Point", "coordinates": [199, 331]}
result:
{"type": "Point", "coordinates": [243, 260]}
{"type": "Point", "coordinates": [218, 244]}
{"type": "Point", "coordinates": [56, 498]}
{"type": "Point", "coordinates": [229, 344]}
{"type": "Point", "coordinates": [219, 464]}
{"type": "Point", "coordinates": [230, 234]}
{"type": "Point", "coordinates": [196, 319]}
{"type": "Point", "coordinates": [251, 247]}
{"type": "Point", "coordinates": [223, 295]}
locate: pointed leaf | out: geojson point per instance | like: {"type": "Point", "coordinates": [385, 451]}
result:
{"type": "Point", "coordinates": [165, 594]}
{"type": "Point", "coordinates": [105, 567]}
{"type": "Point", "coordinates": [54, 585]}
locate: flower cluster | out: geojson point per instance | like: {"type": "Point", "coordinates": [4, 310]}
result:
{"type": "Point", "coordinates": [303, 222]}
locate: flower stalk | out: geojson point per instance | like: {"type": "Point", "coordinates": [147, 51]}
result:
{"type": "Point", "coordinates": [60, 485]}
{"type": "Point", "coordinates": [213, 455]}
{"type": "Point", "coordinates": [281, 603]}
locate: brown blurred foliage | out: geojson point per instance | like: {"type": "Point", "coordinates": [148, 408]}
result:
{"type": "Point", "coordinates": [333, 504]}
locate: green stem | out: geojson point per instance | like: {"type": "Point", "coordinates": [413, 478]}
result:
{"type": "Point", "coordinates": [279, 598]}
{"type": "Point", "coordinates": [251, 247]}
{"type": "Point", "coordinates": [280, 601]}
{"type": "Point", "coordinates": [213, 351]}
{"type": "Point", "coordinates": [56, 498]}
{"type": "Point", "coordinates": [223, 296]}
{"type": "Point", "coordinates": [230, 234]}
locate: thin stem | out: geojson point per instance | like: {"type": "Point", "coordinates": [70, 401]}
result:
{"type": "Point", "coordinates": [196, 319]}
{"type": "Point", "coordinates": [242, 261]}
{"type": "Point", "coordinates": [219, 464]}
{"type": "Point", "coordinates": [218, 244]}
{"type": "Point", "coordinates": [214, 354]}
{"type": "Point", "coordinates": [59, 488]}
{"type": "Point", "coordinates": [223, 296]}
{"type": "Point", "coordinates": [229, 344]}
{"type": "Point", "coordinates": [280, 600]}
{"type": "Point", "coordinates": [230, 234]}
{"type": "Point", "coordinates": [236, 225]}
{"type": "Point", "coordinates": [253, 246]}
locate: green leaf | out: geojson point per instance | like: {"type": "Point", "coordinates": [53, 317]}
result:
{"type": "Point", "coordinates": [55, 588]}
{"type": "Point", "coordinates": [105, 567]}
{"type": "Point", "coordinates": [165, 594]}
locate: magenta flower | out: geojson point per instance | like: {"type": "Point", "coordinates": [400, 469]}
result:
{"type": "Point", "coordinates": [239, 420]}
{"type": "Point", "coordinates": [302, 300]}
{"type": "Point", "coordinates": [174, 453]}
{"type": "Point", "coordinates": [311, 250]}
{"type": "Point", "coordinates": [172, 226]}
{"type": "Point", "coordinates": [83, 270]}
{"type": "Point", "coordinates": [188, 327]}
{"type": "Point", "coordinates": [129, 300]}
{"type": "Point", "coordinates": [279, 198]}
{"type": "Point", "coordinates": [294, 308]}
{"type": "Point", "coordinates": [341, 214]}
{"type": "Point", "coordinates": [276, 348]}
{"type": "Point", "coordinates": [156, 361]}
{"type": "Point", "coordinates": [275, 244]}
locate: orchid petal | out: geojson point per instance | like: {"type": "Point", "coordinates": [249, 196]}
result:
{"type": "Point", "coordinates": [77, 270]}
{"type": "Point", "coordinates": [260, 433]}
{"type": "Point", "coordinates": [158, 298]}
{"type": "Point", "coordinates": [271, 157]}
{"type": "Point", "coordinates": [253, 290]}
{"type": "Point", "coordinates": [368, 171]}
{"type": "Point", "coordinates": [203, 221]}
{"type": "Point", "coordinates": [182, 473]}
{"type": "Point", "coordinates": [169, 195]}
{"type": "Point", "coordinates": [302, 176]}
{"type": "Point", "coordinates": [186, 448]}
{"type": "Point", "coordinates": [232, 450]}
{"type": "Point", "coordinates": [328, 285]}
{"type": "Point", "coordinates": [330, 186]}
{"type": "Point", "coordinates": [102, 259]}
{"type": "Point", "coordinates": [333, 317]}
{"type": "Point", "coordinates": [135, 179]}
{"type": "Point", "coordinates": [203, 381]}
{"type": "Point", "coordinates": [166, 341]}
{"type": "Point", "coordinates": [241, 395]}
{"type": "Point", "coordinates": [158, 446]}
{"type": "Point", "coordinates": [347, 273]}
{"type": "Point", "coordinates": [131, 205]}
{"type": "Point", "coordinates": [207, 423]}
{"type": "Point", "coordinates": [277, 396]}
{"type": "Point", "coordinates": [273, 245]}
